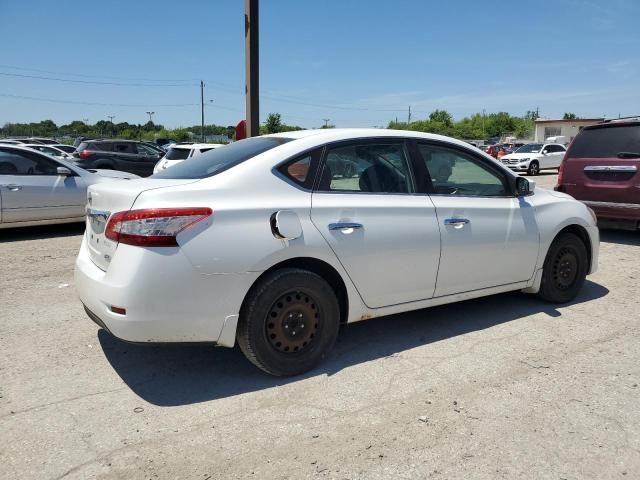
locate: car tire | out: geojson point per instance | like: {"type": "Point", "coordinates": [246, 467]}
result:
{"type": "Point", "coordinates": [565, 269]}
{"type": "Point", "coordinates": [534, 168]}
{"type": "Point", "coordinates": [288, 322]}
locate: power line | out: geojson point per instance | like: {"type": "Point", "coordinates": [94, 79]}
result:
{"type": "Point", "coordinates": [94, 82]}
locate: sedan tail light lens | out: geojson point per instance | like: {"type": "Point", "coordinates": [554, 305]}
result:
{"type": "Point", "coordinates": [84, 154]}
{"type": "Point", "coordinates": [153, 227]}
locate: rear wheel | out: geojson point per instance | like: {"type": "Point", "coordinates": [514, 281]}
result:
{"type": "Point", "coordinates": [534, 168]}
{"type": "Point", "coordinates": [565, 269]}
{"type": "Point", "coordinates": [289, 322]}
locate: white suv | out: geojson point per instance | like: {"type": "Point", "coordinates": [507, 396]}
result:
{"type": "Point", "coordinates": [181, 151]}
{"type": "Point", "coordinates": [533, 157]}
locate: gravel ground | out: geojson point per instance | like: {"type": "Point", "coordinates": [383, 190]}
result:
{"type": "Point", "coordinates": [501, 387]}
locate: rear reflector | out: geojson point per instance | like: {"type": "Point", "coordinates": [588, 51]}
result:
{"type": "Point", "coordinates": [119, 310]}
{"type": "Point", "coordinates": [153, 227]}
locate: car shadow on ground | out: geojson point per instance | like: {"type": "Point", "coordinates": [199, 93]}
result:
{"type": "Point", "coordinates": [622, 237]}
{"type": "Point", "coordinates": [172, 375]}
{"type": "Point", "coordinates": [44, 231]}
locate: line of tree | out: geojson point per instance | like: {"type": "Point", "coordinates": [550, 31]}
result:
{"type": "Point", "coordinates": [103, 128]}
{"type": "Point", "coordinates": [477, 126]}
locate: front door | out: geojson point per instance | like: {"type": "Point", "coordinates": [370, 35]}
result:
{"type": "Point", "coordinates": [385, 235]}
{"type": "Point", "coordinates": [489, 237]}
{"type": "Point", "coordinates": [32, 190]}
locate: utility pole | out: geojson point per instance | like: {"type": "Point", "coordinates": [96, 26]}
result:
{"type": "Point", "coordinates": [326, 122]}
{"type": "Point", "coordinates": [409, 116]}
{"type": "Point", "coordinates": [85, 120]}
{"type": "Point", "coordinates": [202, 109]}
{"type": "Point", "coordinates": [484, 113]}
{"type": "Point", "coordinates": [151, 116]}
{"type": "Point", "coordinates": [537, 113]}
{"type": "Point", "coordinates": [111, 117]}
{"type": "Point", "coordinates": [252, 66]}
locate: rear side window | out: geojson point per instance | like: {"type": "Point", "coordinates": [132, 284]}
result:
{"type": "Point", "coordinates": [177, 154]}
{"type": "Point", "coordinates": [220, 159]}
{"type": "Point", "coordinates": [83, 146]}
{"type": "Point", "coordinates": [105, 146]}
{"type": "Point", "coordinates": [123, 148]}
{"type": "Point", "coordinates": [606, 142]}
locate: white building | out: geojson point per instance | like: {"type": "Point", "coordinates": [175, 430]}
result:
{"type": "Point", "coordinates": [568, 129]}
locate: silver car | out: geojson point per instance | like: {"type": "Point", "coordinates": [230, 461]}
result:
{"type": "Point", "coordinates": [37, 189]}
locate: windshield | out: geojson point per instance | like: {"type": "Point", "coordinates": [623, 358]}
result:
{"type": "Point", "coordinates": [530, 148]}
{"type": "Point", "coordinates": [220, 159]}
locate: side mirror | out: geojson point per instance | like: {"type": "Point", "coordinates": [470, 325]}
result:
{"type": "Point", "coordinates": [544, 152]}
{"type": "Point", "coordinates": [64, 172]}
{"type": "Point", "coordinates": [525, 187]}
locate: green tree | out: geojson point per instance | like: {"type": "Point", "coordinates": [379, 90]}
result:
{"type": "Point", "coordinates": [273, 123]}
{"type": "Point", "coordinates": [441, 116]}
{"type": "Point", "coordinates": [569, 116]}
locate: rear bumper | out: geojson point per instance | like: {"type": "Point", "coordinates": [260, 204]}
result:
{"type": "Point", "coordinates": [165, 298]}
{"type": "Point", "coordinates": [613, 210]}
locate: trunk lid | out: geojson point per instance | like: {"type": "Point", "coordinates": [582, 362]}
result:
{"type": "Point", "coordinates": [104, 199]}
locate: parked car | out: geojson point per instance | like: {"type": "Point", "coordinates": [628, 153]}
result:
{"type": "Point", "coordinates": [37, 189]}
{"type": "Point", "coordinates": [50, 150]}
{"type": "Point", "coordinates": [602, 169]}
{"type": "Point", "coordinates": [533, 157]}
{"type": "Point", "coordinates": [10, 141]}
{"type": "Point", "coordinates": [182, 151]}
{"type": "Point", "coordinates": [65, 148]}
{"type": "Point", "coordinates": [230, 245]}
{"type": "Point", "coordinates": [125, 155]}
{"type": "Point", "coordinates": [43, 141]}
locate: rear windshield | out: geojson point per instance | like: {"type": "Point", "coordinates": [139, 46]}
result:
{"type": "Point", "coordinates": [219, 159]}
{"type": "Point", "coordinates": [177, 153]}
{"type": "Point", "coordinates": [606, 142]}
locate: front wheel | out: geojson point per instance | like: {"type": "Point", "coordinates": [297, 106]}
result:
{"type": "Point", "coordinates": [534, 168]}
{"type": "Point", "coordinates": [289, 322]}
{"type": "Point", "coordinates": [565, 269]}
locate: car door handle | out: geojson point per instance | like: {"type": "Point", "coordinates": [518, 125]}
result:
{"type": "Point", "coordinates": [342, 226]}
{"type": "Point", "coordinates": [13, 187]}
{"type": "Point", "coordinates": [456, 222]}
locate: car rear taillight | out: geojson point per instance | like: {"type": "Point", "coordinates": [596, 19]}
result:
{"type": "Point", "coordinates": [84, 154]}
{"type": "Point", "coordinates": [153, 227]}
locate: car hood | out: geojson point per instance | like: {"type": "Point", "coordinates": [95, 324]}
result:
{"type": "Point", "coordinates": [518, 156]}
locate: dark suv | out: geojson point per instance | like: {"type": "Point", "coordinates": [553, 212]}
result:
{"type": "Point", "coordinates": [602, 169]}
{"type": "Point", "coordinates": [125, 155]}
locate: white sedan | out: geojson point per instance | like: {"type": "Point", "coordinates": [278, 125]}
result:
{"type": "Point", "coordinates": [180, 152]}
{"type": "Point", "coordinates": [261, 243]}
{"type": "Point", "coordinates": [39, 189]}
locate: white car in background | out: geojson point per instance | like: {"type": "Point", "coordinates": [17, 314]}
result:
{"type": "Point", "coordinates": [182, 151]}
{"type": "Point", "coordinates": [50, 150]}
{"type": "Point", "coordinates": [533, 157]}
{"type": "Point", "coordinates": [38, 189]}
{"type": "Point", "coordinates": [260, 242]}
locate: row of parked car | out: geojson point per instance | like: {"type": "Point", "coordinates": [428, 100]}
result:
{"type": "Point", "coordinates": [44, 182]}
{"type": "Point", "coordinates": [600, 167]}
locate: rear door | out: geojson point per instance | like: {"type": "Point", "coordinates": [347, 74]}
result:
{"type": "Point", "coordinates": [602, 166]}
{"type": "Point", "coordinates": [385, 234]}
{"type": "Point", "coordinates": [554, 156]}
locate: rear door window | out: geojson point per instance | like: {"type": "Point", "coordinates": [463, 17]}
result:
{"type": "Point", "coordinates": [220, 159]}
{"type": "Point", "coordinates": [607, 142]}
{"type": "Point", "coordinates": [123, 148]}
{"type": "Point", "coordinates": [177, 154]}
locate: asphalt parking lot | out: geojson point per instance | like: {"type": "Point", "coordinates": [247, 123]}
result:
{"type": "Point", "coordinates": [500, 387]}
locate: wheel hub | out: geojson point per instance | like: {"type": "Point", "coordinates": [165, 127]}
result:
{"type": "Point", "coordinates": [565, 269]}
{"type": "Point", "coordinates": [292, 322]}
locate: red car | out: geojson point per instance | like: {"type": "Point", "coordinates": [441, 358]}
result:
{"type": "Point", "coordinates": [602, 169]}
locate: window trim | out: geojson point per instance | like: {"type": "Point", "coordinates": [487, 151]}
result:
{"type": "Point", "coordinates": [507, 181]}
{"type": "Point", "coordinates": [404, 141]}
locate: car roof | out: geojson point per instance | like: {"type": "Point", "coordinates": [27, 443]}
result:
{"type": "Point", "coordinates": [337, 134]}
{"type": "Point", "coordinates": [189, 146]}
{"type": "Point", "coordinates": [616, 122]}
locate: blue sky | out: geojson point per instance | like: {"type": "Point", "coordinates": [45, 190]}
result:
{"type": "Point", "coordinates": [357, 63]}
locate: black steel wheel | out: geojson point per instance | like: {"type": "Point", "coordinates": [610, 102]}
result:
{"type": "Point", "coordinates": [565, 269]}
{"type": "Point", "coordinates": [289, 322]}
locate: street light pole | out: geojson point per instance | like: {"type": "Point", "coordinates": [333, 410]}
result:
{"type": "Point", "coordinates": [151, 114]}
{"type": "Point", "coordinates": [202, 109]}
{"type": "Point", "coordinates": [111, 117]}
